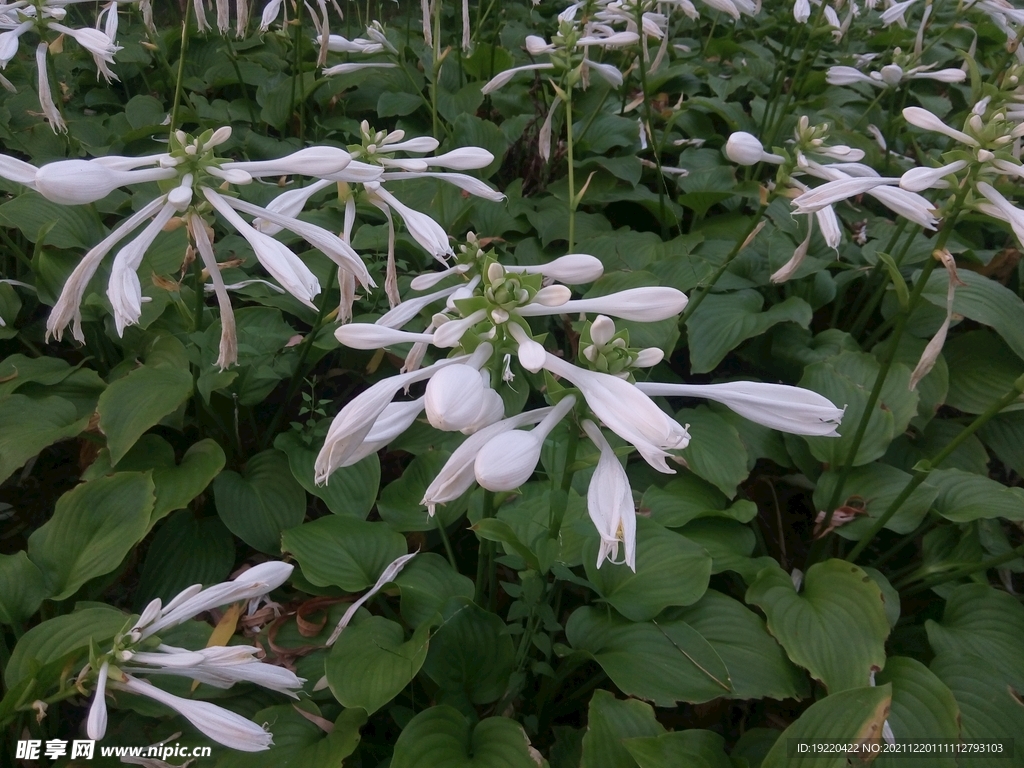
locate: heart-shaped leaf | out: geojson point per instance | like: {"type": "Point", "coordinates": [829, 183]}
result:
{"type": "Point", "coordinates": [442, 736]}
{"type": "Point", "coordinates": [262, 502]}
{"type": "Point", "coordinates": [344, 552]}
{"type": "Point", "coordinates": [835, 627]}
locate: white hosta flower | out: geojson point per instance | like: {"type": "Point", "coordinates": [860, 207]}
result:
{"type": "Point", "coordinates": [626, 411]}
{"type": "Point", "coordinates": [922, 118]}
{"type": "Point", "coordinates": [572, 269]}
{"type": "Point", "coordinates": [254, 582]}
{"type": "Point", "coordinates": [504, 78]}
{"type": "Point", "coordinates": [455, 398]}
{"type": "Point", "coordinates": [745, 149]}
{"type": "Point", "coordinates": [392, 422]}
{"type": "Point", "coordinates": [222, 725]}
{"type": "Point", "coordinates": [788, 409]}
{"type": "Point", "coordinates": [354, 422]}
{"type": "Point", "coordinates": [508, 460]}
{"type": "Point", "coordinates": [920, 179]}
{"type": "Point", "coordinates": [836, 191]}
{"type": "Point", "coordinates": [458, 474]}
{"type": "Point", "coordinates": [192, 163]}
{"type": "Point", "coordinates": [646, 305]}
{"type": "Point", "coordinates": [801, 11]}
{"type": "Point", "coordinates": [96, 722]}
{"type": "Point", "coordinates": [1007, 211]}
{"type": "Point", "coordinates": [46, 103]}
{"type": "Point", "coordinates": [610, 504]}
{"type": "Point", "coordinates": [787, 270]}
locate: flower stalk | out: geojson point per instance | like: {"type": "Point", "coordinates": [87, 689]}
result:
{"type": "Point", "coordinates": [924, 469]}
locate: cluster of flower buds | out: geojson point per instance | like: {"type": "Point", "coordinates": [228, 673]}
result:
{"type": "Point", "coordinates": [987, 150]}
{"type": "Point", "coordinates": [375, 42]}
{"type": "Point", "coordinates": [139, 651]}
{"type": "Point", "coordinates": [485, 323]}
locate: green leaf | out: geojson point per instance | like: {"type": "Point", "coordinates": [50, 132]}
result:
{"type": "Point", "coordinates": [65, 226]}
{"type": "Point", "coordinates": [350, 490]}
{"type": "Point", "coordinates": [898, 283]}
{"type": "Point", "coordinates": [921, 703]}
{"type": "Point", "coordinates": [58, 637]}
{"type": "Point", "coordinates": [670, 570]}
{"type": "Point", "coordinates": [426, 584]}
{"type": "Point", "coordinates": [965, 496]}
{"type": "Point", "coordinates": [471, 652]}
{"type": "Point", "coordinates": [28, 425]}
{"type": "Point", "coordinates": [985, 622]}
{"type": "Point", "coordinates": [133, 404]}
{"type": "Point", "coordinates": [662, 661]}
{"type": "Point", "coordinates": [610, 722]}
{"type": "Point", "coordinates": [985, 301]}
{"type": "Point", "coordinates": [871, 488]}
{"type": "Point", "coordinates": [22, 588]}
{"type": "Point", "coordinates": [853, 715]}
{"type": "Point", "coordinates": [93, 527]}
{"type": "Point", "coordinates": [176, 484]}
{"type": "Point", "coordinates": [758, 667]}
{"type": "Point", "coordinates": [686, 497]}
{"type": "Point", "coordinates": [371, 662]}
{"type": "Point", "coordinates": [442, 736]}
{"type": "Point", "coordinates": [989, 708]}
{"type": "Point", "coordinates": [165, 573]}
{"type": "Point", "coordinates": [399, 504]}
{"type": "Point", "coordinates": [693, 748]}
{"type": "Point", "coordinates": [344, 552]}
{"type": "Point", "coordinates": [17, 370]}
{"type": "Point", "coordinates": [715, 452]}
{"type": "Point", "coordinates": [981, 370]}
{"type": "Point", "coordinates": [398, 103]}
{"type": "Point", "coordinates": [723, 321]}
{"type": "Point", "coordinates": [262, 502]}
{"type": "Point", "coordinates": [835, 627]}
{"type": "Point", "coordinates": [847, 379]}
{"type": "Point", "coordinates": [492, 529]}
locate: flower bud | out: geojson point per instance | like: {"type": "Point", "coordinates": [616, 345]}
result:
{"type": "Point", "coordinates": [454, 397]}
{"type": "Point", "coordinates": [508, 460]}
{"type": "Point", "coordinates": [745, 149]}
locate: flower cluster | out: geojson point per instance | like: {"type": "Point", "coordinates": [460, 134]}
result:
{"type": "Point", "coordinates": [485, 323]}
{"type": "Point", "coordinates": [139, 651]}
{"type": "Point", "coordinates": [45, 17]}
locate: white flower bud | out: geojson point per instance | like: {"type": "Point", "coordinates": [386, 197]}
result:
{"type": "Point", "coordinates": [454, 397]}
{"type": "Point", "coordinates": [745, 149]}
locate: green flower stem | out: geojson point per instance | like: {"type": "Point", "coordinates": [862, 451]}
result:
{"type": "Point", "coordinates": [886, 364]}
{"type": "Point", "coordinates": [179, 80]}
{"type": "Point", "coordinates": [297, 70]}
{"type": "Point", "coordinates": [780, 115]}
{"type": "Point", "coordinates": [447, 543]}
{"type": "Point", "coordinates": [484, 555]}
{"type": "Point", "coordinates": [965, 570]}
{"type": "Point", "coordinates": [16, 251]}
{"type": "Point", "coordinates": [695, 301]}
{"type": "Point", "coordinates": [899, 545]}
{"type": "Point", "coordinates": [560, 495]}
{"type": "Point", "coordinates": [572, 170]}
{"type": "Point", "coordinates": [875, 283]}
{"type": "Point", "coordinates": [241, 82]}
{"type": "Point", "coordinates": [649, 126]}
{"type": "Point", "coordinates": [925, 469]}
{"type": "Point", "coordinates": [299, 373]}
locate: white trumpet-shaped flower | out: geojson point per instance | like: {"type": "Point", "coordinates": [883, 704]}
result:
{"type": "Point", "coordinates": [509, 459]}
{"type": "Point", "coordinates": [137, 652]}
{"type": "Point", "coordinates": [610, 504]}
{"type": "Point", "coordinates": [795, 410]}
